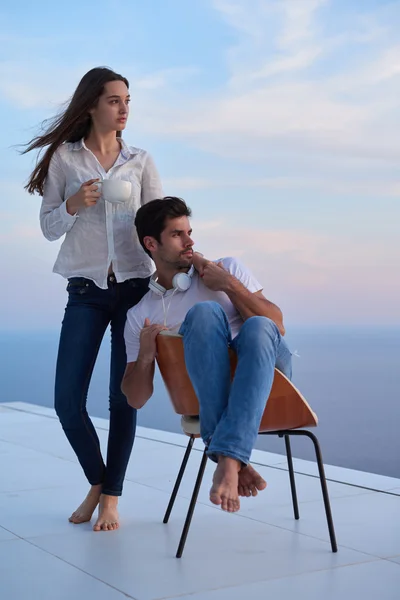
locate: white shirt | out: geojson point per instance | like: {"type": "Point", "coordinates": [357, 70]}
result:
{"type": "Point", "coordinates": [177, 304]}
{"type": "Point", "coordinates": [104, 233]}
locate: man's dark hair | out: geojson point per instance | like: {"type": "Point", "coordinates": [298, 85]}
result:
{"type": "Point", "coordinates": [151, 218]}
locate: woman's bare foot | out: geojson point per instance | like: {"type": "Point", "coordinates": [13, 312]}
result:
{"type": "Point", "coordinates": [108, 518]}
{"type": "Point", "coordinates": [224, 490]}
{"type": "Point", "coordinates": [85, 511]}
{"type": "Point", "coordinates": [250, 482]}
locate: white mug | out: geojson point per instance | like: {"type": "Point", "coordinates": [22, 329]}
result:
{"type": "Point", "coordinates": [116, 191]}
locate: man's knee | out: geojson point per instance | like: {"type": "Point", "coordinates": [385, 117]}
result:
{"type": "Point", "coordinates": [260, 328]}
{"type": "Point", "coordinates": [204, 311]}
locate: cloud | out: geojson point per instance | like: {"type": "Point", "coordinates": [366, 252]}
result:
{"type": "Point", "coordinates": [163, 78]}
{"type": "Point", "coordinates": [292, 91]}
{"type": "Point", "coordinates": [385, 188]}
{"type": "Point", "coordinates": [32, 86]}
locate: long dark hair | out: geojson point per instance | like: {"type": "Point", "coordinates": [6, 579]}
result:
{"type": "Point", "coordinates": [71, 125]}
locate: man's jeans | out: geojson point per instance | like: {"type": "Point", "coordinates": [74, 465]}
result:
{"type": "Point", "coordinates": [88, 313]}
{"type": "Point", "coordinates": [230, 413]}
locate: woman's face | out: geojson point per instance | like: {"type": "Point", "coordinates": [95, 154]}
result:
{"type": "Point", "coordinates": [112, 110]}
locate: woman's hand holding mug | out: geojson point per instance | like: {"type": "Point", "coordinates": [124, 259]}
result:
{"type": "Point", "coordinates": [87, 195]}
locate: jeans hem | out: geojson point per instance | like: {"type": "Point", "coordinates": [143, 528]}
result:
{"type": "Point", "coordinates": [111, 492]}
{"type": "Point", "coordinates": [214, 453]}
{"type": "Point", "coordinates": [95, 482]}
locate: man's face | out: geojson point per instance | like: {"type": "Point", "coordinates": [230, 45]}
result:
{"type": "Point", "coordinates": [175, 249]}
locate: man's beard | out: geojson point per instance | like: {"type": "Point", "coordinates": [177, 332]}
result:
{"type": "Point", "coordinates": [180, 265]}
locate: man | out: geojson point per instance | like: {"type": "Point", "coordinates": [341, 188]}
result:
{"type": "Point", "coordinates": [213, 305]}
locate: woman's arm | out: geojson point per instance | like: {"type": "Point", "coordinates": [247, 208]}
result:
{"type": "Point", "coordinates": [54, 218]}
{"type": "Point", "coordinates": [151, 182]}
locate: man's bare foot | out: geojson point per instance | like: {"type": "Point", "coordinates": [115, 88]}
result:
{"type": "Point", "coordinates": [85, 511]}
{"type": "Point", "coordinates": [108, 518]}
{"type": "Point", "coordinates": [250, 482]}
{"type": "Point", "coordinates": [224, 490]}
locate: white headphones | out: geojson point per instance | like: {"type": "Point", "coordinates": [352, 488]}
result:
{"type": "Point", "coordinates": [181, 282]}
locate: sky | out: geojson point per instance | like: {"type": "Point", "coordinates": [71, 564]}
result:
{"type": "Point", "coordinates": [276, 120]}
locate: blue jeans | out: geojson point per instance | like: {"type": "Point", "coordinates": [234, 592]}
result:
{"type": "Point", "coordinates": [88, 313]}
{"type": "Point", "coordinates": [230, 413]}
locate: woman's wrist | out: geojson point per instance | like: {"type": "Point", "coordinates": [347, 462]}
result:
{"type": "Point", "coordinates": [71, 208]}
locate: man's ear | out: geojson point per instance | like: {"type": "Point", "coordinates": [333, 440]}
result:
{"type": "Point", "coordinates": [150, 243]}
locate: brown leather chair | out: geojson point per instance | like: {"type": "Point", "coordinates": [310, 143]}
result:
{"type": "Point", "coordinates": [285, 414]}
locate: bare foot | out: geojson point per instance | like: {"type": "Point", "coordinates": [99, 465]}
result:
{"type": "Point", "coordinates": [224, 490]}
{"type": "Point", "coordinates": [250, 482]}
{"type": "Point", "coordinates": [108, 518]}
{"type": "Point", "coordinates": [84, 512]}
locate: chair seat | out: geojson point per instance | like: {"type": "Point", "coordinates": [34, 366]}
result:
{"type": "Point", "coordinates": [190, 425]}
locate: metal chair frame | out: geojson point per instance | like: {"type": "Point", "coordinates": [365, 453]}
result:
{"type": "Point", "coordinates": [282, 434]}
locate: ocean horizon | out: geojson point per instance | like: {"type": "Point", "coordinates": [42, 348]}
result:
{"type": "Point", "coordinates": [350, 377]}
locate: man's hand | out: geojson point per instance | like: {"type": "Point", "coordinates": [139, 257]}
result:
{"type": "Point", "coordinates": [216, 277]}
{"type": "Point", "coordinates": [199, 262]}
{"type": "Point", "coordinates": [148, 348]}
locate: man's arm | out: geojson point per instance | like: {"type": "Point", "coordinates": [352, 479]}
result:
{"type": "Point", "coordinates": [252, 304]}
{"type": "Point", "coordinates": [247, 303]}
{"type": "Point", "coordinates": [137, 384]}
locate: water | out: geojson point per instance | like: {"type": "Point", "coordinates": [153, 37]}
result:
{"type": "Point", "coordinates": [350, 378]}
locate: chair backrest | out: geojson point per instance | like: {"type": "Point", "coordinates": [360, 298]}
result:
{"type": "Point", "coordinates": [286, 408]}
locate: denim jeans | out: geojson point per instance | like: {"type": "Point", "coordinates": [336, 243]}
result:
{"type": "Point", "coordinates": [88, 313]}
{"type": "Point", "coordinates": [230, 413]}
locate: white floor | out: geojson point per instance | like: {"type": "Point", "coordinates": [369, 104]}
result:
{"type": "Point", "coordinates": [260, 553]}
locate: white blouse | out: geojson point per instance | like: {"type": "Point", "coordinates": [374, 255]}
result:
{"type": "Point", "coordinates": [104, 233]}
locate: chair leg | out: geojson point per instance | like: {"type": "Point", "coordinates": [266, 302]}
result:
{"type": "Point", "coordinates": [321, 471]}
{"type": "Point", "coordinates": [324, 487]}
{"type": "Point", "coordinates": [179, 479]}
{"type": "Point", "coordinates": [291, 477]}
{"type": "Point", "coordinates": [192, 505]}
{"type": "Point", "coordinates": [322, 479]}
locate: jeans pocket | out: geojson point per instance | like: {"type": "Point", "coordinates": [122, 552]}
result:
{"type": "Point", "coordinates": [139, 284]}
{"type": "Point", "coordinates": [78, 285]}
{"type": "Point", "coordinates": [135, 289]}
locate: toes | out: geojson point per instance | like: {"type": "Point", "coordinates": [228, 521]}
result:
{"type": "Point", "coordinates": [106, 526]}
{"type": "Point", "coordinates": [233, 505]}
{"type": "Point", "coordinates": [215, 498]}
{"type": "Point", "coordinates": [230, 504]}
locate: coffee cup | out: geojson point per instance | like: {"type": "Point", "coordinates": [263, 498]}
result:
{"type": "Point", "coordinates": [115, 191]}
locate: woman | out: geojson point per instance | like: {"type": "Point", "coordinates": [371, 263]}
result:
{"type": "Point", "coordinates": [106, 268]}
